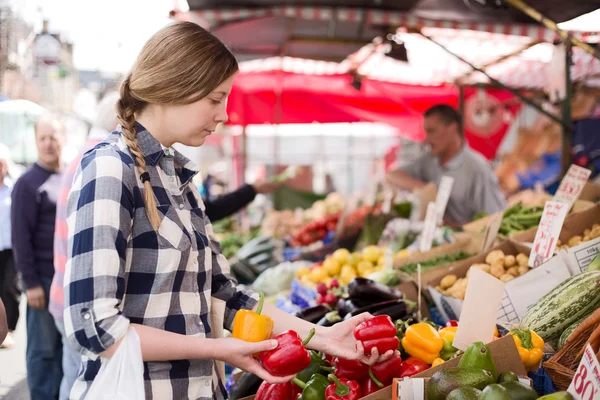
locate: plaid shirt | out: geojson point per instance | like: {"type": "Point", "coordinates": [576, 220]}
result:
{"type": "Point", "coordinates": [121, 271]}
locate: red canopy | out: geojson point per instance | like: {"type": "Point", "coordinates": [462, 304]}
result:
{"type": "Point", "coordinates": [274, 97]}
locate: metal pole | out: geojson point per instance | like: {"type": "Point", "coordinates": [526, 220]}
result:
{"type": "Point", "coordinates": [548, 23]}
{"type": "Point", "coordinates": [503, 86]}
{"type": "Point", "coordinates": [567, 136]}
{"type": "Point", "coordinates": [461, 108]}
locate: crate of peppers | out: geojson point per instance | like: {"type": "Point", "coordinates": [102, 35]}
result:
{"type": "Point", "coordinates": [320, 376]}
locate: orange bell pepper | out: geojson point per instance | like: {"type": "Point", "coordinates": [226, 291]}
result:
{"type": "Point", "coordinates": [250, 326]}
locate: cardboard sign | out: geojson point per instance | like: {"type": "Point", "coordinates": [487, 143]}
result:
{"type": "Point", "coordinates": [443, 195]}
{"type": "Point", "coordinates": [480, 309]}
{"type": "Point", "coordinates": [491, 232]}
{"type": "Point", "coordinates": [586, 382]}
{"type": "Point", "coordinates": [572, 184]}
{"type": "Point", "coordinates": [428, 228]}
{"type": "Point", "coordinates": [548, 232]}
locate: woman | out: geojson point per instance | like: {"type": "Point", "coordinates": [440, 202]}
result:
{"type": "Point", "coordinates": [142, 253]}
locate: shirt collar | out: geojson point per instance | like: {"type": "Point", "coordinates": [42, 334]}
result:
{"type": "Point", "coordinates": [458, 159]}
{"type": "Point", "coordinates": [153, 151]}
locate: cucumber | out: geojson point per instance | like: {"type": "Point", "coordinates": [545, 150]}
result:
{"type": "Point", "coordinates": [567, 303]}
{"type": "Point", "coordinates": [567, 332]}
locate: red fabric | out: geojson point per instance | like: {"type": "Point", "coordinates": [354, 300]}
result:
{"type": "Point", "coordinates": [330, 99]}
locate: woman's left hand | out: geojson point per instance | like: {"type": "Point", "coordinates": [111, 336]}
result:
{"type": "Point", "coordinates": [339, 341]}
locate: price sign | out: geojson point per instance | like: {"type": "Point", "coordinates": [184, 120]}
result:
{"type": "Point", "coordinates": [443, 195]}
{"type": "Point", "coordinates": [572, 184]}
{"type": "Point", "coordinates": [586, 382]}
{"type": "Point", "coordinates": [428, 228]}
{"type": "Point", "coordinates": [548, 232]}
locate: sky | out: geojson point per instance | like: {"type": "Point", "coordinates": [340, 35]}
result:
{"type": "Point", "coordinates": [108, 34]}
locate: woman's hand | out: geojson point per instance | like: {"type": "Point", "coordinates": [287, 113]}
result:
{"type": "Point", "coordinates": [339, 341]}
{"type": "Point", "coordinates": [241, 354]}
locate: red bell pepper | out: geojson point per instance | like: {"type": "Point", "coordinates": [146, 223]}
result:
{"type": "Point", "coordinates": [412, 366]}
{"type": "Point", "coordinates": [451, 323]}
{"type": "Point", "coordinates": [369, 386]}
{"type": "Point", "coordinates": [387, 370]}
{"type": "Point", "coordinates": [342, 389]}
{"type": "Point", "coordinates": [289, 357]}
{"type": "Point", "coordinates": [350, 369]}
{"type": "Point", "coordinates": [282, 391]}
{"type": "Point", "coordinates": [379, 332]}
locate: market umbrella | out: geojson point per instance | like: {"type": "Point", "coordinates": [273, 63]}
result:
{"type": "Point", "coordinates": [17, 121]}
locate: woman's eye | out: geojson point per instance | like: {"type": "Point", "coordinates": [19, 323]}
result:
{"type": "Point", "coordinates": [215, 102]}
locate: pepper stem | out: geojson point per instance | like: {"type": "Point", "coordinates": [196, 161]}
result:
{"type": "Point", "coordinates": [310, 336]}
{"type": "Point", "coordinates": [341, 390]}
{"type": "Point", "coordinates": [328, 369]}
{"type": "Point", "coordinates": [261, 300]}
{"type": "Point", "coordinates": [298, 382]}
{"type": "Point", "coordinates": [374, 378]}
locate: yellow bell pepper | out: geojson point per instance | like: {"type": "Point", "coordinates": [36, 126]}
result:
{"type": "Point", "coordinates": [530, 346]}
{"type": "Point", "coordinates": [422, 341]}
{"type": "Point", "coordinates": [448, 350]}
{"type": "Point", "coordinates": [250, 326]}
{"type": "Point", "coordinates": [437, 362]}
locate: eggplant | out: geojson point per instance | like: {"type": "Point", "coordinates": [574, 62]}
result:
{"type": "Point", "coordinates": [345, 305]}
{"type": "Point", "coordinates": [330, 319]}
{"type": "Point", "coordinates": [313, 314]}
{"type": "Point", "coordinates": [246, 385]}
{"type": "Point", "coordinates": [396, 309]}
{"type": "Point", "coordinates": [366, 289]}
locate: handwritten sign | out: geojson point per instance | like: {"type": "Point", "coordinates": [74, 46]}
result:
{"type": "Point", "coordinates": [548, 232]}
{"type": "Point", "coordinates": [586, 382]}
{"type": "Point", "coordinates": [443, 195]}
{"type": "Point", "coordinates": [431, 219]}
{"type": "Point", "coordinates": [572, 184]}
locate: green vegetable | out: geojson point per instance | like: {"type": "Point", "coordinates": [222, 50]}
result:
{"type": "Point", "coordinates": [567, 332]}
{"type": "Point", "coordinates": [518, 218]}
{"type": "Point", "coordinates": [564, 305]}
{"type": "Point", "coordinates": [435, 262]}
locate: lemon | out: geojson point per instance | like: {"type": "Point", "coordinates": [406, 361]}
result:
{"type": "Point", "coordinates": [332, 266]}
{"type": "Point", "coordinates": [341, 256]}
{"type": "Point", "coordinates": [364, 266]}
{"type": "Point", "coordinates": [354, 259]}
{"type": "Point", "coordinates": [302, 271]}
{"type": "Point", "coordinates": [371, 253]}
{"type": "Point", "coordinates": [318, 274]}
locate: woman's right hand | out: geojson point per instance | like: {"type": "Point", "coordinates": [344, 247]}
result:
{"type": "Point", "coordinates": [241, 354]}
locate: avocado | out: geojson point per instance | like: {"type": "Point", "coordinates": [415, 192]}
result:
{"type": "Point", "coordinates": [464, 393]}
{"type": "Point", "coordinates": [519, 391]}
{"type": "Point", "coordinates": [478, 355]}
{"type": "Point", "coordinates": [557, 396]}
{"type": "Point", "coordinates": [494, 392]}
{"type": "Point", "coordinates": [446, 380]}
{"type": "Point", "coordinates": [508, 376]}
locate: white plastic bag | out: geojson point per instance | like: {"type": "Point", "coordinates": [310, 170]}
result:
{"type": "Point", "coordinates": [121, 377]}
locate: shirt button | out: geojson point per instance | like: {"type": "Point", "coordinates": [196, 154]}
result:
{"type": "Point", "coordinates": [171, 179]}
{"type": "Point", "coordinates": [207, 383]}
{"type": "Point", "coordinates": [87, 316]}
{"type": "Point", "coordinates": [181, 206]}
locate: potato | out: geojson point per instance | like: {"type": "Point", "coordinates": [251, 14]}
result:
{"type": "Point", "coordinates": [522, 259]}
{"type": "Point", "coordinates": [510, 261]}
{"type": "Point", "coordinates": [460, 294]}
{"type": "Point", "coordinates": [558, 243]}
{"type": "Point", "coordinates": [506, 277]}
{"type": "Point", "coordinates": [448, 281]}
{"type": "Point", "coordinates": [587, 232]}
{"type": "Point", "coordinates": [523, 270]}
{"type": "Point", "coordinates": [483, 267]}
{"type": "Point", "coordinates": [514, 271]}
{"type": "Point", "coordinates": [574, 241]}
{"type": "Point", "coordinates": [497, 270]}
{"type": "Point", "coordinates": [494, 256]}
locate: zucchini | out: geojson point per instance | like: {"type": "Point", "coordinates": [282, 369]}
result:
{"type": "Point", "coordinates": [564, 305]}
{"type": "Point", "coordinates": [567, 332]}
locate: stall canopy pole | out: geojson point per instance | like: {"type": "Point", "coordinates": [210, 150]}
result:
{"type": "Point", "coordinates": [461, 107]}
{"type": "Point", "coordinates": [503, 86]}
{"type": "Point", "coordinates": [548, 23]}
{"type": "Point", "coordinates": [567, 137]}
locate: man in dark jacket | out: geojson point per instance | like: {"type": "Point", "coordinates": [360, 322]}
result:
{"type": "Point", "coordinates": [230, 203]}
{"type": "Point", "coordinates": [33, 213]}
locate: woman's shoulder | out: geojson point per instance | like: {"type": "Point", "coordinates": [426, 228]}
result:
{"type": "Point", "coordinates": [108, 158]}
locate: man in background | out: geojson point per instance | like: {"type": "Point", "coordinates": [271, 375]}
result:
{"type": "Point", "coordinates": [105, 122]}
{"type": "Point", "coordinates": [33, 212]}
{"type": "Point", "coordinates": [475, 187]}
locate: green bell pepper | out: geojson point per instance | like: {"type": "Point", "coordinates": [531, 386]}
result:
{"type": "Point", "coordinates": [317, 363]}
{"type": "Point", "coordinates": [315, 388]}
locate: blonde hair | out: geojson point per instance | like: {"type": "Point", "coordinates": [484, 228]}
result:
{"type": "Point", "coordinates": [181, 64]}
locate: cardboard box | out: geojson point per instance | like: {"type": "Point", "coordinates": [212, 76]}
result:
{"type": "Point", "coordinates": [505, 355]}
{"type": "Point", "coordinates": [519, 294]}
{"type": "Point", "coordinates": [590, 192]}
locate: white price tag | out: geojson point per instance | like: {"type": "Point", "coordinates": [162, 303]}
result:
{"type": "Point", "coordinates": [548, 232]}
{"type": "Point", "coordinates": [586, 382]}
{"type": "Point", "coordinates": [443, 195]}
{"type": "Point", "coordinates": [428, 228]}
{"type": "Point", "coordinates": [572, 184]}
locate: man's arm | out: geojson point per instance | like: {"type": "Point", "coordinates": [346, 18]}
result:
{"type": "Point", "coordinates": [230, 203]}
{"type": "Point", "coordinates": [402, 180]}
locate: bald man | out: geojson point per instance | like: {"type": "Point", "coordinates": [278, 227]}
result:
{"type": "Point", "coordinates": [33, 212]}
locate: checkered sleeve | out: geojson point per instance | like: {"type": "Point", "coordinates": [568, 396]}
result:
{"type": "Point", "coordinates": [224, 285]}
{"type": "Point", "coordinates": [100, 211]}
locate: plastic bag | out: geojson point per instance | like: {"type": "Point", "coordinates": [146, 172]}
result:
{"type": "Point", "coordinates": [121, 377]}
